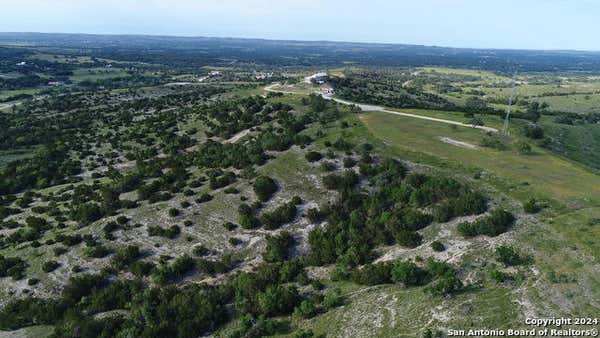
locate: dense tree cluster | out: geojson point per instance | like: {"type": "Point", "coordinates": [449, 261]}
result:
{"type": "Point", "coordinates": [358, 222]}
{"type": "Point", "coordinates": [440, 277]}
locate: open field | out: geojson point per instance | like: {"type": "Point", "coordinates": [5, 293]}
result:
{"type": "Point", "coordinates": [548, 176]}
{"type": "Point", "coordinates": [94, 74]}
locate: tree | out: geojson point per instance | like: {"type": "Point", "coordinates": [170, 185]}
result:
{"type": "Point", "coordinates": [408, 273]}
{"type": "Point", "coordinates": [278, 247]}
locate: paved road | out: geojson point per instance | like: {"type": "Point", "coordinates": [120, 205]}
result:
{"type": "Point", "coordinates": [368, 107]}
{"type": "Point", "coordinates": [8, 105]}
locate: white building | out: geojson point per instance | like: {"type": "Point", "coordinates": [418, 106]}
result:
{"type": "Point", "coordinates": [318, 78]}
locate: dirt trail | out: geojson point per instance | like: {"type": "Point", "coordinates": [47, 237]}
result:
{"type": "Point", "coordinates": [238, 136]}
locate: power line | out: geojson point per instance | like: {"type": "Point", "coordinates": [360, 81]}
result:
{"type": "Point", "coordinates": [510, 102]}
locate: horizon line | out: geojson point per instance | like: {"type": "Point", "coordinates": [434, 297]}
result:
{"type": "Point", "coordinates": [307, 40]}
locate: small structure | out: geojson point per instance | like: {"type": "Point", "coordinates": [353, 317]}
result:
{"type": "Point", "coordinates": [214, 73]}
{"type": "Point", "coordinates": [326, 89]}
{"type": "Point", "coordinates": [21, 64]}
{"type": "Point", "coordinates": [55, 83]}
{"type": "Point", "coordinates": [263, 76]}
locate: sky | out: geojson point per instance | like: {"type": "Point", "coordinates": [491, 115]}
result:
{"type": "Point", "coordinates": [522, 24]}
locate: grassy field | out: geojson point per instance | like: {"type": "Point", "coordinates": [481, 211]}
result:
{"type": "Point", "coordinates": [578, 142]}
{"type": "Point", "coordinates": [541, 173]}
{"type": "Point", "coordinates": [8, 93]}
{"type": "Point", "coordinates": [580, 103]}
{"type": "Point", "coordinates": [94, 74]}
{"type": "Point", "coordinates": [13, 155]}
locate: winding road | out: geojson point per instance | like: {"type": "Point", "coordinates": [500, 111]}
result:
{"type": "Point", "coordinates": [368, 107]}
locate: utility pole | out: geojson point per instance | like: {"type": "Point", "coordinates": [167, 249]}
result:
{"type": "Point", "coordinates": [510, 102]}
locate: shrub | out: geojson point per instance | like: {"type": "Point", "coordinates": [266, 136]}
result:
{"type": "Point", "coordinates": [372, 274]}
{"type": "Point", "coordinates": [170, 232]}
{"type": "Point", "coordinates": [276, 218]}
{"type": "Point", "coordinates": [59, 250]}
{"type": "Point", "coordinates": [328, 166]}
{"type": "Point", "coordinates": [50, 266]}
{"type": "Point", "coordinates": [12, 266]}
{"type": "Point", "coordinates": [166, 273]}
{"type": "Point", "coordinates": [277, 300]}
{"type": "Point", "coordinates": [204, 198]}
{"type": "Point", "coordinates": [531, 206]}
{"type": "Point", "coordinates": [86, 213]}
{"type": "Point", "coordinates": [313, 156]}
{"type": "Point", "coordinates": [349, 162]}
{"type": "Point", "coordinates": [437, 246]}
{"type": "Point", "coordinates": [226, 263]}
{"type": "Point", "coordinates": [278, 247]}
{"type": "Point", "coordinates": [69, 240]}
{"type": "Point", "coordinates": [306, 309]}
{"type": "Point", "coordinates": [247, 219]}
{"type": "Point", "coordinates": [141, 268]}
{"type": "Point", "coordinates": [524, 148]}
{"type": "Point", "coordinates": [407, 238]}
{"type": "Point", "coordinates": [500, 276]}
{"type": "Point", "coordinates": [222, 181]}
{"type": "Point", "coordinates": [534, 131]}
{"type": "Point", "coordinates": [235, 241]}
{"type": "Point", "coordinates": [315, 215]}
{"type": "Point", "coordinates": [493, 225]}
{"type": "Point", "coordinates": [445, 285]}
{"type": "Point", "coordinates": [230, 226]}
{"type": "Point", "coordinates": [125, 256]}
{"type": "Point", "coordinates": [333, 298]}
{"type": "Point", "coordinates": [341, 182]}
{"type": "Point", "coordinates": [342, 145]}
{"type": "Point", "coordinates": [231, 191]}
{"type": "Point", "coordinates": [493, 141]}
{"type": "Point", "coordinates": [200, 250]}
{"type": "Point", "coordinates": [173, 212]}
{"type": "Point", "coordinates": [509, 256]}
{"type": "Point", "coordinates": [264, 187]}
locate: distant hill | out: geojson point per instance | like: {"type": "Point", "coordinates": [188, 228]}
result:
{"type": "Point", "coordinates": [199, 51]}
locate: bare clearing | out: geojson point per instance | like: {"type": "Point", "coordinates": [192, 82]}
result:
{"type": "Point", "coordinates": [458, 143]}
